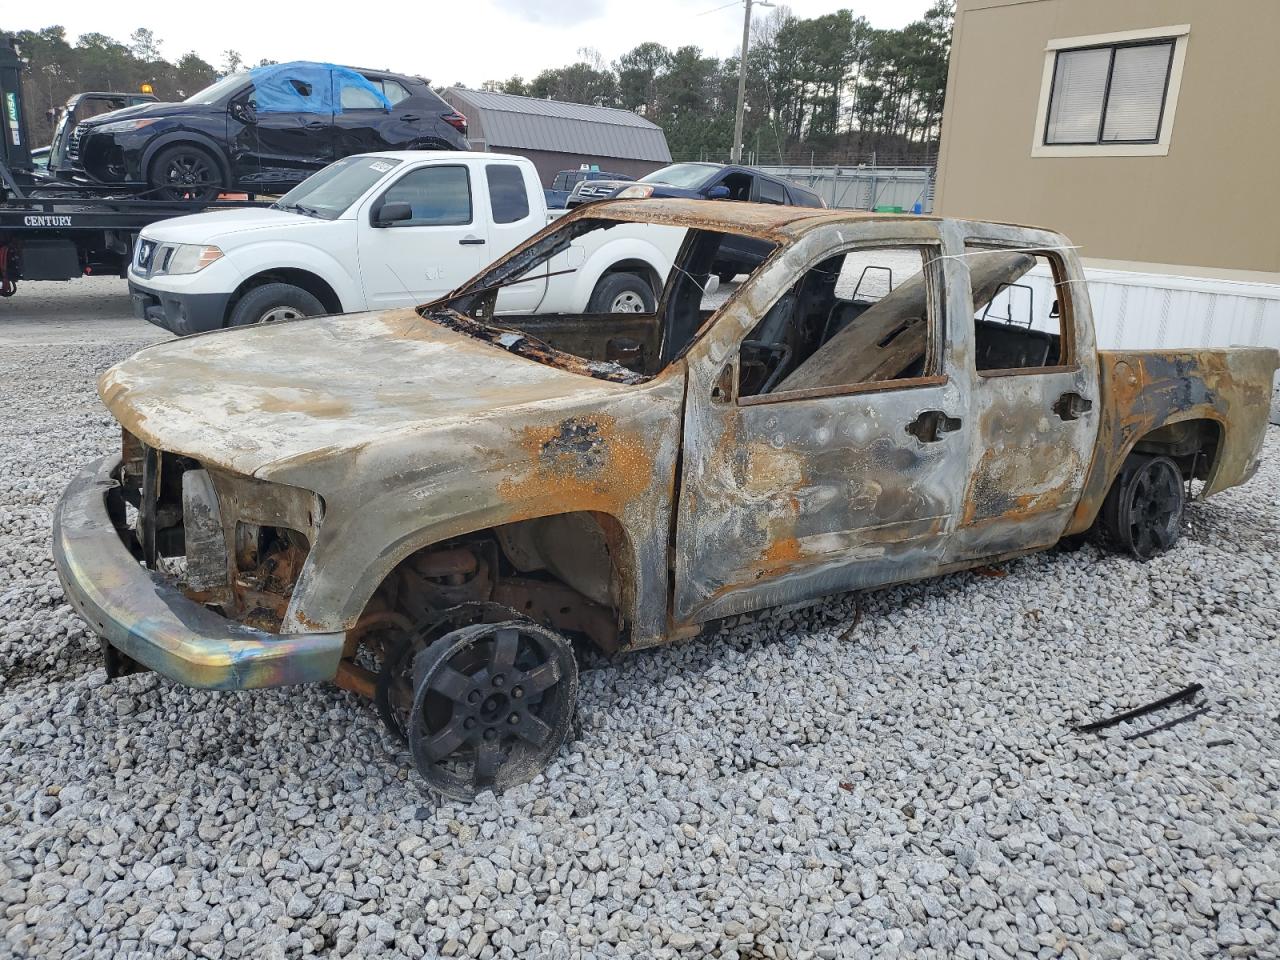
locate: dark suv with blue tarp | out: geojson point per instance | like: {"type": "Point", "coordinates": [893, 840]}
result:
{"type": "Point", "coordinates": [260, 131]}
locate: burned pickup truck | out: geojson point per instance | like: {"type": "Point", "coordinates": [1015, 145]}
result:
{"type": "Point", "coordinates": [432, 506]}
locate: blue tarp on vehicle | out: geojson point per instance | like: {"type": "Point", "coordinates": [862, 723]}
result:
{"type": "Point", "coordinates": [306, 87]}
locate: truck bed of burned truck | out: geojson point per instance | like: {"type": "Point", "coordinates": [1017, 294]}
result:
{"type": "Point", "coordinates": [431, 506]}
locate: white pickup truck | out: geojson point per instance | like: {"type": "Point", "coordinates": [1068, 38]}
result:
{"type": "Point", "coordinates": [374, 231]}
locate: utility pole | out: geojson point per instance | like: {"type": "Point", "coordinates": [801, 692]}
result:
{"type": "Point", "coordinates": [736, 154]}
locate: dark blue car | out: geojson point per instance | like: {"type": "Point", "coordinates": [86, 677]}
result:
{"type": "Point", "coordinates": [721, 181]}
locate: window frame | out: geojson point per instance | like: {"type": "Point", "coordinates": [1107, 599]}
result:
{"type": "Point", "coordinates": [524, 191]}
{"type": "Point", "coordinates": [342, 90]}
{"type": "Point", "coordinates": [382, 82]}
{"type": "Point", "coordinates": [1111, 48]}
{"type": "Point", "coordinates": [1068, 342]}
{"type": "Point", "coordinates": [762, 182]}
{"type": "Point", "coordinates": [931, 263]}
{"type": "Point", "coordinates": [752, 183]}
{"type": "Point", "coordinates": [471, 196]}
{"type": "Point", "coordinates": [1177, 35]}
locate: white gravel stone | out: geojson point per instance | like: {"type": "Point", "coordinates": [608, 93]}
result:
{"type": "Point", "coordinates": [798, 785]}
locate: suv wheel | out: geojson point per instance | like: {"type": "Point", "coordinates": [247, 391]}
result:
{"type": "Point", "coordinates": [184, 172]}
{"type": "Point", "coordinates": [272, 302]}
{"type": "Point", "coordinates": [622, 293]}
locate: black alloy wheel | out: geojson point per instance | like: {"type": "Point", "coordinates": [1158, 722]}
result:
{"type": "Point", "coordinates": [1142, 514]}
{"type": "Point", "coordinates": [393, 692]}
{"type": "Point", "coordinates": [493, 703]}
{"type": "Point", "coordinates": [185, 173]}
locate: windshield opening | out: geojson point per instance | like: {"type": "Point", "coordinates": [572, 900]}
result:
{"type": "Point", "coordinates": [219, 88]}
{"type": "Point", "coordinates": [328, 193]}
{"type": "Point", "coordinates": [632, 327]}
{"type": "Point", "coordinates": [684, 175]}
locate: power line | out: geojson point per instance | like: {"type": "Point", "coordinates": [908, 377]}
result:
{"type": "Point", "coordinates": [726, 6]}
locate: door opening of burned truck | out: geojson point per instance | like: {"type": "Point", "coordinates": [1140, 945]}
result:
{"type": "Point", "coordinates": [433, 506]}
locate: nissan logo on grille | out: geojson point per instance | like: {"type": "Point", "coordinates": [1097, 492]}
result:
{"type": "Point", "coordinates": [145, 249]}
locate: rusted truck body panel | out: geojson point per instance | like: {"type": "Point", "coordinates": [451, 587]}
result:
{"type": "Point", "coordinates": [784, 501]}
{"type": "Point", "coordinates": [1144, 391]}
{"type": "Point", "coordinates": [400, 452]}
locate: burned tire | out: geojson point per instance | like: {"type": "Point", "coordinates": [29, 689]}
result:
{"type": "Point", "coordinates": [622, 293]}
{"type": "Point", "coordinates": [1142, 514]}
{"type": "Point", "coordinates": [184, 172]}
{"type": "Point", "coordinates": [493, 703]}
{"type": "Point", "coordinates": [273, 302]}
{"type": "Point", "coordinates": [393, 692]}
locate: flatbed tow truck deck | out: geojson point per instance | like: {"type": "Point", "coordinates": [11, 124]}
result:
{"type": "Point", "coordinates": [61, 231]}
{"type": "Point", "coordinates": [52, 229]}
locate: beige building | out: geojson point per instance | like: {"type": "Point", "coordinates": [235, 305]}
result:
{"type": "Point", "coordinates": [1146, 130]}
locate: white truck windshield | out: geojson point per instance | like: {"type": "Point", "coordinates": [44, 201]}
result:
{"type": "Point", "coordinates": [329, 193]}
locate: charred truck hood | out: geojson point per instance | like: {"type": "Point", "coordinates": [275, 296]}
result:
{"type": "Point", "coordinates": [299, 402]}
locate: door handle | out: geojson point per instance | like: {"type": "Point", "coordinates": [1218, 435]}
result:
{"type": "Point", "coordinates": [932, 425]}
{"type": "Point", "coordinates": [1070, 406]}
{"type": "Point", "coordinates": [410, 117]}
{"type": "Point", "coordinates": [471, 241]}
{"type": "Point", "coordinates": [316, 125]}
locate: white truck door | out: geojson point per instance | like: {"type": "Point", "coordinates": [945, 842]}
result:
{"type": "Point", "coordinates": [517, 211]}
{"type": "Point", "coordinates": [441, 243]}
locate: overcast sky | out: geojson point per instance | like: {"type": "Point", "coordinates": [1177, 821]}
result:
{"type": "Point", "coordinates": [444, 40]}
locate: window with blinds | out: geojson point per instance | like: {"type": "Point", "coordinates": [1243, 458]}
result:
{"type": "Point", "coordinates": [1112, 94]}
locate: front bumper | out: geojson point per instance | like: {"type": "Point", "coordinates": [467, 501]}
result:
{"type": "Point", "coordinates": [180, 313]}
{"type": "Point", "coordinates": [143, 615]}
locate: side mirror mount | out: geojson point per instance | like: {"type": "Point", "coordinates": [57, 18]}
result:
{"type": "Point", "coordinates": [390, 213]}
{"type": "Point", "coordinates": [718, 192]}
{"type": "Point", "coordinates": [722, 389]}
{"type": "Point", "coordinates": [243, 112]}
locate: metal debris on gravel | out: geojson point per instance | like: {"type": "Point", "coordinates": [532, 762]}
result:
{"type": "Point", "coordinates": [803, 784]}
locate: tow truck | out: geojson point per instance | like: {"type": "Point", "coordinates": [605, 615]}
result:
{"type": "Point", "coordinates": [52, 229]}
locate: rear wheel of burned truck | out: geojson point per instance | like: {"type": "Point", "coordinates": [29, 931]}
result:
{"type": "Point", "coordinates": [273, 302]}
{"type": "Point", "coordinates": [1142, 514]}
{"type": "Point", "coordinates": [492, 704]}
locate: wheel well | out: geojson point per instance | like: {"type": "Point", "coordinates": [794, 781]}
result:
{"type": "Point", "coordinates": [308, 281]}
{"type": "Point", "coordinates": [572, 572]}
{"type": "Point", "coordinates": [640, 267]}
{"type": "Point", "coordinates": [1192, 444]}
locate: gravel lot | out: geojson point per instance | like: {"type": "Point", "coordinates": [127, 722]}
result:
{"type": "Point", "coordinates": [891, 774]}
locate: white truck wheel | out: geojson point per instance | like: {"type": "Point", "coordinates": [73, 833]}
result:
{"type": "Point", "coordinates": [274, 301]}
